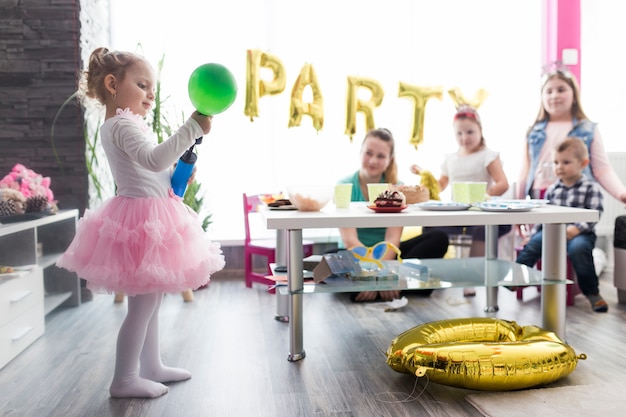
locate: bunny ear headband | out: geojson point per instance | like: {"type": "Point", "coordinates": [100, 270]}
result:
{"type": "Point", "coordinates": [554, 68]}
{"type": "Point", "coordinates": [465, 111]}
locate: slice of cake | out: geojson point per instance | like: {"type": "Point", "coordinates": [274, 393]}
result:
{"type": "Point", "coordinates": [390, 198]}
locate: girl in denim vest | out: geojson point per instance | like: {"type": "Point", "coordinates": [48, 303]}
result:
{"type": "Point", "coordinates": [561, 115]}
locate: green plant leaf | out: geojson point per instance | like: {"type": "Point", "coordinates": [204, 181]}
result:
{"type": "Point", "coordinates": [194, 201]}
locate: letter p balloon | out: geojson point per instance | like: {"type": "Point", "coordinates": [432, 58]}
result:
{"type": "Point", "coordinates": [212, 88]}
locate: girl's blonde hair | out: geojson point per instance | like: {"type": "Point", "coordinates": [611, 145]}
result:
{"type": "Point", "coordinates": [103, 62]}
{"type": "Point", "coordinates": [391, 173]}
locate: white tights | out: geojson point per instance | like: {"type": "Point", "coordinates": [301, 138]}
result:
{"type": "Point", "coordinates": [139, 371]}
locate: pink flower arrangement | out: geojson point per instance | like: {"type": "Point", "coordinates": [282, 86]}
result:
{"type": "Point", "coordinates": [27, 182]}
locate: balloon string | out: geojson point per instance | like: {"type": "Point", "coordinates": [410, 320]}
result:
{"type": "Point", "coordinates": [409, 398]}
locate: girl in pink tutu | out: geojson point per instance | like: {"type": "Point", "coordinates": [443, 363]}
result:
{"type": "Point", "coordinates": [144, 241]}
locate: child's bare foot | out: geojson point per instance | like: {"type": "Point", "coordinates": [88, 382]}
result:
{"type": "Point", "coordinates": [137, 388]}
{"type": "Point", "coordinates": [165, 374]}
{"type": "Point", "coordinates": [469, 292]}
{"type": "Point", "coordinates": [366, 296]}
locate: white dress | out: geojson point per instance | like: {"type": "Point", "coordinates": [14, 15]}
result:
{"type": "Point", "coordinates": [472, 167]}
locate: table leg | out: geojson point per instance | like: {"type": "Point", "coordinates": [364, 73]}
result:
{"type": "Point", "coordinates": [491, 252]}
{"type": "Point", "coordinates": [282, 300]}
{"type": "Point", "coordinates": [553, 258]}
{"type": "Point", "coordinates": [295, 283]}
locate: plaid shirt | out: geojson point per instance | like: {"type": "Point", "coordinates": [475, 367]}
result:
{"type": "Point", "coordinates": [584, 194]}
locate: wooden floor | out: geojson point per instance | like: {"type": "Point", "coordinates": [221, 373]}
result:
{"type": "Point", "coordinates": [237, 352]}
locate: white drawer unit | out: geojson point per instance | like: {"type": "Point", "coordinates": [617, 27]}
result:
{"type": "Point", "coordinates": [19, 294]}
{"type": "Point", "coordinates": [19, 333]}
{"type": "Point", "coordinates": [39, 286]}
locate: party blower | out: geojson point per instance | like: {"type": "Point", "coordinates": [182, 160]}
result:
{"type": "Point", "coordinates": [212, 89]}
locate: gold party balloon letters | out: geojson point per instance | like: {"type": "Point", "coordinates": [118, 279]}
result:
{"type": "Point", "coordinates": [482, 354]}
{"type": "Point", "coordinates": [257, 87]}
{"type": "Point", "coordinates": [298, 107]}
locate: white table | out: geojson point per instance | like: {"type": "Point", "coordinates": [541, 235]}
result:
{"type": "Point", "coordinates": [554, 219]}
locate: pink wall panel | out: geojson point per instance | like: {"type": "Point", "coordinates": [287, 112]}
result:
{"type": "Point", "coordinates": [562, 32]}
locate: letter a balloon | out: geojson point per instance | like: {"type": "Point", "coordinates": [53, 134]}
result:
{"type": "Point", "coordinates": [212, 88]}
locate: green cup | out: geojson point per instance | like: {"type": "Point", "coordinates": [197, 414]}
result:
{"type": "Point", "coordinates": [343, 195]}
{"type": "Point", "coordinates": [375, 189]}
{"type": "Point", "coordinates": [469, 192]}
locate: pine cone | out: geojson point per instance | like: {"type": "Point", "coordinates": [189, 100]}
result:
{"type": "Point", "coordinates": [36, 203]}
{"type": "Point", "coordinates": [7, 208]}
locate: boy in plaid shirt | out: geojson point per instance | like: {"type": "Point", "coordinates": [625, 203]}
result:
{"type": "Point", "coordinates": [573, 189]}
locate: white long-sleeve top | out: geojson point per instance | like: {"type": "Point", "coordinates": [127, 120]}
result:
{"type": "Point", "coordinates": [140, 166]}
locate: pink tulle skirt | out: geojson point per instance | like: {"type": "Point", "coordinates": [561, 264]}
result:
{"type": "Point", "coordinates": [142, 245]}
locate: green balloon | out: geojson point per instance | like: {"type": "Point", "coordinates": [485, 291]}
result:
{"type": "Point", "coordinates": [212, 88]}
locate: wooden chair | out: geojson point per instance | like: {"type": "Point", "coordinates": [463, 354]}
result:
{"type": "Point", "coordinates": [260, 247]}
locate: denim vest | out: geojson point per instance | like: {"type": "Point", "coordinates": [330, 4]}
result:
{"type": "Point", "coordinates": [537, 137]}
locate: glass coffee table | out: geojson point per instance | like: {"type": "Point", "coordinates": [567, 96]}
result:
{"type": "Point", "coordinates": [489, 272]}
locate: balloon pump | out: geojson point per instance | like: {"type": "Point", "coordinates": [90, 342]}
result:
{"type": "Point", "coordinates": [212, 89]}
{"type": "Point", "coordinates": [183, 170]}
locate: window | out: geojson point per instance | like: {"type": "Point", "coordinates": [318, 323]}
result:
{"type": "Point", "coordinates": [489, 44]}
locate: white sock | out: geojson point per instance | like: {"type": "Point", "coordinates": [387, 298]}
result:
{"type": "Point", "coordinates": [151, 366]}
{"type": "Point", "coordinates": [130, 342]}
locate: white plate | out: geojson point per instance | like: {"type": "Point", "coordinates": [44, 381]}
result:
{"type": "Point", "coordinates": [534, 202]}
{"type": "Point", "coordinates": [287, 207]}
{"type": "Point", "coordinates": [506, 208]}
{"type": "Point", "coordinates": [541, 202]}
{"type": "Point", "coordinates": [440, 206]}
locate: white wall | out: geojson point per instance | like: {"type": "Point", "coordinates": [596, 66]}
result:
{"type": "Point", "coordinates": [603, 86]}
{"type": "Point", "coordinates": [490, 44]}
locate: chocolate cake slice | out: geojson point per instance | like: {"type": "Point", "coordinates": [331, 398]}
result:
{"type": "Point", "coordinates": [389, 198]}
